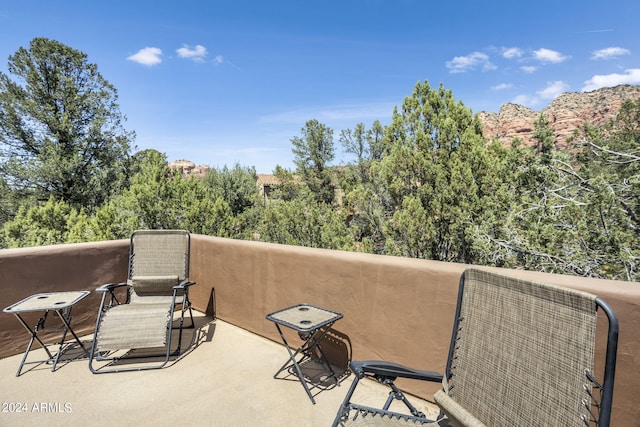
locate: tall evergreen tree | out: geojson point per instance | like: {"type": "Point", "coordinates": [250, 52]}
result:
{"type": "Point", "coordinates": [433, 171]}
{"type": "Point", "coordinates": [365, 144]}
{"type": "Point", "coordinates": [313, 152]}
{"type": "Point", "coordinates": [61, 131]}
{"type": "Point", "coordinates": [545, 141]}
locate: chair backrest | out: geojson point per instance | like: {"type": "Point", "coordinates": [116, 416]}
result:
{"type": "Point", "coordinates": [158, 259]}
{"type": "Point", "coordinates": [522, 353]}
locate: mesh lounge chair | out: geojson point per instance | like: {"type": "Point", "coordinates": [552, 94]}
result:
{"type": "Point", "coordinates": [158, 285]}
{"type": "Point", "coordinates": [521, 353]}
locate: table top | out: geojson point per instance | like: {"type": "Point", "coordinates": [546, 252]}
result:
{"type": "Point", "coordinates": [47, 301]}
{"type": "Point", "coordinates": [304, 317]}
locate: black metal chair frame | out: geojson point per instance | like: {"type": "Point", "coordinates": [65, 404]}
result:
{"type": "Point", "coordinates": [386, 373]}
{"type": "Point", "coordinates": [110, 299]}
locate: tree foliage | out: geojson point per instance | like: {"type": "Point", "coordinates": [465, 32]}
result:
{"type": "Point", "coordinates": [159, 198]}
{"type": "Point", "coordinates": [48, 224]}
{"type": "Point", "coordinates": [365, 144]}
{"type": "Point", "coordinates": [429, 181]}
{"type": "Point", "coordinates": [427, 185]}
{"type": "Point", "coordinates": [313, 152]}
{"type": "Point", "coordinates": [236, 186]}
{"type": "Point", "coordinates": [304, 221]}
{"type": "Point", "coordinates": [607, 182]}
{"type": "Point", "coordinates": [61, 132]}
{"type": "Point", "coordinates": [574, 210]}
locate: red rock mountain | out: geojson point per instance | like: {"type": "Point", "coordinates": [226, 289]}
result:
{"type": "Point", "coordinates": [566, 113]}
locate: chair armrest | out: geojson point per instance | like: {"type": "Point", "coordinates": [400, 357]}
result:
{"type": "Point", "coordinates": [184, 285]}
{"type": "Point", "coordinates": [456, 414]}
{"type": "Point", "coordinates": [392, 371]}
{"type": "Point", "coordinates": [110, 287]}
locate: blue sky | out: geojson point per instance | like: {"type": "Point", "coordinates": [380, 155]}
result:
{"type": "Point", "coordinates": [226, 82]}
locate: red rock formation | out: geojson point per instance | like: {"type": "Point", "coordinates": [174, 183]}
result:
{"type": "Point", "coordinates": [566, 113]}
{"type": "Point", "coordinates": [189, 168]}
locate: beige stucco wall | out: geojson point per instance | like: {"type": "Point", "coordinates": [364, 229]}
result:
{"type": "Point", "coordinates": [28, 271]}
{"type": "Point", "coordinates": [394, 308]}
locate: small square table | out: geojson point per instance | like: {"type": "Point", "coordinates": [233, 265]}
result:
{"type": "Point", "coordinates": [311, 323]}
{"type": "Point", "coordinates": [58, 302]}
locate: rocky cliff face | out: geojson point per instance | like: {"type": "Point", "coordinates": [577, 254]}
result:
{"type": "Point", "coordinates": [566, 113]}
{"type": "Point", "coordinates": [189, 168]}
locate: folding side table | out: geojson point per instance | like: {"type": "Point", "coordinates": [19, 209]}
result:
{"type": "Point", "coordinates": [311, 323]}
{"type": "Point", "coordinates": [58, 302]}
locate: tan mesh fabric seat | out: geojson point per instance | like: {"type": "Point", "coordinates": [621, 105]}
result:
{"type": "Point", "coordinates": [522, 353]}
{"type": "Point", "coordinates": [157, 286]}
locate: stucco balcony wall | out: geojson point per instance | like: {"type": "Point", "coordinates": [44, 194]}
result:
{"type": "Point", "coordinates": [57, 268]}
{"type": "Point", "coordinates": [394, 308]}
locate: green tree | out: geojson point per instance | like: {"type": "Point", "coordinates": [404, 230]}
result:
{"type": "Point", "coordinates": [574, 212]}
{"type": "Point", "coordinates": [540, 210]}
{"type": "Point", "coordinates": [162, 199]}
{"type": "Point", "coordinates": [6, 201]}
{"type": "Point", "coordinates": [313, 152]}
{"type": "Point", "coordinates": [47, 224]}
{"type": "Point", "coordinates": [304, 221]}
{"type": "Point", "coordinates": [365, 144]}
{"type": "Point", "coordinates": [433, 174]}
{"type": "Point", "coordinates": [236, 186]}
{"type": "Point", "coordinates": [545, 141]}
{"type": "Point", "coordinates": [288, 188]}
{"type": "Point", "coordinates": [61, 132]}
{"type": "Point", "coordinates": [606, 180]}
{"type": "Point", "coordinates": [159, 198]}
{"type": "Point", "coordinates": [520, 220]}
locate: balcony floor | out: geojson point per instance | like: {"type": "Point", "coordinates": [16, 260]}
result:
{"type": "Point", "coordinates": [224, 379]}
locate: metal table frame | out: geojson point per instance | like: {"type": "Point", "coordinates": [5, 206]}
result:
{"type": "Point", "coordinates": [311, 323]}
{"type": "Point", "coordinates": [58, 302]}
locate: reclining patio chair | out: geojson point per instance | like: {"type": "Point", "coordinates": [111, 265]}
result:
{"type": "Point", "coordinates": [521, 353]}
{"type": "Point", "coordinates": [158, 285]}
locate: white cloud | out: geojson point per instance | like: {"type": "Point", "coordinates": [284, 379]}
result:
{"type": "Point", "coordinates": [502, 86]}
{"type": "Point", "coordinates": [525, 100]}
{"type": "Point", "coordinates": [631, 76]}
{"type": "Point", "coordinates": [462, 64]}
{"type": "Point", "coordinates": [148, 56]}
{"type": "Point", "coordinates": [219, 59]}
{"type": "Point", "coordinates": [529, 69]}
{"type": "Point", "coordinates": [553, 89]}
{"type": "Point", "coordinates": [610, 52]}
{"type": "Point", "coordinates": [195, 54]}
{"type": "Point", "coordinates": [548, 55]}
{"type": "Point", "coordinates": [512, 52]}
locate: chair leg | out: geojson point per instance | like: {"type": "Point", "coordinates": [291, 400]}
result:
{"type": "Point", "coordinates": [193, 325]}
{"type": "Point", "coordinates": [181, 326]}
{"type": "Point", "coordinates": [397, 394]}
{"type": "Point", "coordinates": [343, 413]}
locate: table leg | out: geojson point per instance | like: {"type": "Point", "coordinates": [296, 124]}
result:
{"type": "Point", "coordinates": [311, 342]}
{"type": "Point", "coordinates": [67, 325]}
{"type": "Point", "coordinates": [66, 320]}
{"type": "Point", "coordinates": [326, 362]}
{"type": "Point", "coordinates": [293, 362]}
{"type": "Point", "coordinates": [34, 337]}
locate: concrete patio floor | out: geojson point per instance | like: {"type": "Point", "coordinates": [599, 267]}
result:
{"type": "Point", "coordinates": [224, 379]}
